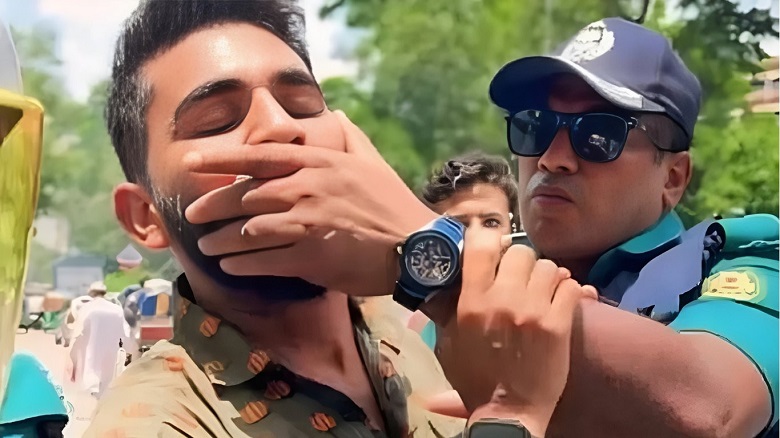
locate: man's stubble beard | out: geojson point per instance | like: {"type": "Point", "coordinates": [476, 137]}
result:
{"type": "Point", "coordinates": [269, 288]}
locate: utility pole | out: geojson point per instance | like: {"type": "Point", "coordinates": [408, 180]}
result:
{"type": "Point", "coordinates": [547, 43]}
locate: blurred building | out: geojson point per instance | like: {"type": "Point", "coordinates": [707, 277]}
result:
{"type": "Point", "coordinates": [765, 97]}
{"type": "Point", "coordinates": [74, 273]}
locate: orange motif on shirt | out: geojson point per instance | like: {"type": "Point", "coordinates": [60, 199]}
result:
{"type": "Point", "coordinates": [137, 410]}
{"type": "Point", "coordinates": [322, 422]}
{"type": "Point", "coordinates": [258, 359]}
{"type": "Point", "coordinates": [254, 412]}
{"type": "Point", "coordinates": [209, 326]}
{"type": "Point", "coordinates": [174, 363]}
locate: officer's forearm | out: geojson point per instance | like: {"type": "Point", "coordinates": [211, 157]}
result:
{"type": "Point", "coordinates": [631, 376]}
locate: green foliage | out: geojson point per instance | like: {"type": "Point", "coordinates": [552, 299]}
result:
{"type": "Point", "coordinates": [389, 136]}
{"type": "Point", "coordinates": [421, 96]}
{"type": "Point", "coordinates": [427, 66]}
{"type": "Point", "coordinates": [735, 157]}
{"type": "Point", "coordinates": [741, 166]}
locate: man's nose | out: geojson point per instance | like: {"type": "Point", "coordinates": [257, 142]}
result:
{"type": "Point", "coordinates": [268, 121]}
{"type": "Point", "coordinates": [560, 156]}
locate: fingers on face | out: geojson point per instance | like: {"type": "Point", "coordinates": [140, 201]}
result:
{"type": "Point", "coordinates": [272, 160]}
{"type": "Point", "coordinates": [255, 197]}
{"type": "Point", "coordinates": [245, 235]}
{"type": "Point", "coordinates": [279, 195]}
{"type": "Point", "coordinates": [357, 141]}
{"type": "Point", "coordinates": [282, 262]}
{"type": "Point", "coordinates": [222, 203]}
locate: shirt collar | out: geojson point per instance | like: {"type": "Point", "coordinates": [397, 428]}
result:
{"type": "Point", "coordinates": [221, 350]}
{"type": "Point", "coordinates": [633, 254]}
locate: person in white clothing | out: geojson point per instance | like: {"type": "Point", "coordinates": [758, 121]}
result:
{"type": "Point", "coordinates": [100, 325]}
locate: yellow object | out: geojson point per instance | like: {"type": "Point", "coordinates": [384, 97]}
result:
{"type": "Point", "coordinates": [735, 285]}
{"type": "Point", "coordinates": [20, 163]}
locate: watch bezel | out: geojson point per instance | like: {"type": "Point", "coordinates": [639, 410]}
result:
{"type": "Point", "coordinates": [446, 242]}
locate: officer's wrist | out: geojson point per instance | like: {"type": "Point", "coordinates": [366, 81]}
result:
{"type": "Point", "coordinates": [418, 216]}
{"type": "Point", "coordinates": [442, 305]}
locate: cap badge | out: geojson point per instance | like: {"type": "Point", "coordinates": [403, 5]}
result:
{"type": "Point", "coordinates": [592, 42]}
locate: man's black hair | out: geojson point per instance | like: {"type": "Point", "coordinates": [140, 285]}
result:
{"type": "Point", "coordinates": [665, 133]}
{"type": "Point", "coordinates": [158, 25]}
{"type": "Point", "coordinates": [467, 170]}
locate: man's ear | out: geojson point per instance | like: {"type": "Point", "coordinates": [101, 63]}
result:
{"type": "Point", "coordinates": [139, 217]}
{"type": "Point", "coordinates": [679, 169]}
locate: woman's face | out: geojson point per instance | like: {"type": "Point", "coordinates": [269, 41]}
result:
{"type": "Point", "coordinates": [481, 205]}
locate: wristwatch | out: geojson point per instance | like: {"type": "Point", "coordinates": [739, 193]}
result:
{"type": "Point", "coordinates": [430, 261]}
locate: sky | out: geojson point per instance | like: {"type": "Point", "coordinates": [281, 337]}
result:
{"type": "Point", "coordinates": [88, 30]}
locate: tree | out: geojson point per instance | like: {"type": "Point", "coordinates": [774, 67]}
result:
{"type": "Point", "coordinates": [426, 66]}
{"type": "Point", "coordinates": [735, 154]}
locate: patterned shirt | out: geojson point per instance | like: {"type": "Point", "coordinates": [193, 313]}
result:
{"type": "Point", "coordinates": [208, 382]}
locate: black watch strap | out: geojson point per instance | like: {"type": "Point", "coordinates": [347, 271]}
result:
{"type": "Point", "coordinates": [406, 299]}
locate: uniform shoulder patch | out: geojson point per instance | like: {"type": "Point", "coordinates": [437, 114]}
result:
{"type": "Point", "coordinates": [737, 284]}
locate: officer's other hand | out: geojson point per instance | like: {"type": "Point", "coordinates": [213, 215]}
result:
{"type": "Point", "coordinates": [507, 348]}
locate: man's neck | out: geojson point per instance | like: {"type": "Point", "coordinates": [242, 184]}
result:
{"type": "Point", "coordinates": [316, 331]}
{"type": "Point", "coordinates": [313, 338]}
{"type": "Point", "coordinates": [307, 337]}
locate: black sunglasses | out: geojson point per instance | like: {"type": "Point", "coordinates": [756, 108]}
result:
{"type": "Point", "coordinates": [595, 137]}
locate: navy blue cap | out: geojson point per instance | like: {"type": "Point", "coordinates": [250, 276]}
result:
{"type": "Point", "coordinates": [627, 64]}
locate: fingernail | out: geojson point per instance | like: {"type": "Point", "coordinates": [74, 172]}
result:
{"type": "Point", "coordinates": [329, 235]}
{"type": "Point", "coordinates": [243, 231]}
{"type": "Point", "coordinates": [240, 178]}
{"type": "Point", "coordinates": [590, 292]}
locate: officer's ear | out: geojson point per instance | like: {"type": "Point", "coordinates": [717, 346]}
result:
{"type": "Point", "coordinates": [679, 169]}
{"type": "Point", "coordinates": [139, 217]}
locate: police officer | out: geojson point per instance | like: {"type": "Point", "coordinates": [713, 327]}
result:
{"type": "Point", "coordinates": [683, 340]}
{"type": "Point", "coordinates": [30, 405]}
{"type": "Point", "coordinates": [602, 130]}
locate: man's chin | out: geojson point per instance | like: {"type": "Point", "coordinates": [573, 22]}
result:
{"type": "Point", "coordinates": [266, 287]}
{"type": "Point", "coordinates": [186, 235]}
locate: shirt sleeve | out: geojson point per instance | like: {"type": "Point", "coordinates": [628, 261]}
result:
{"type": "Point", "coordinates": [163, 394]}
{"type": "Point", "coordinates": [751, 328]}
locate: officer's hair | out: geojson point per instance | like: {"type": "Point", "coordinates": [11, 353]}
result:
{"type": "Point", "coordinates": [666, 134]}
{"type": "Point", "coordinates": [467, 170]}
{"type": "Point", "coordinates": [158, 25]}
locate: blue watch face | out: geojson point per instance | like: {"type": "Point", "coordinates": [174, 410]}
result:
{"type": "Point", "coordinates": [430, 261]}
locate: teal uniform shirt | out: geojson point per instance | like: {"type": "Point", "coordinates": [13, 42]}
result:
{"type": "Point", "coordinates": [719, 277]}
{"type": "Point", "coordinates": [735, 297]}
